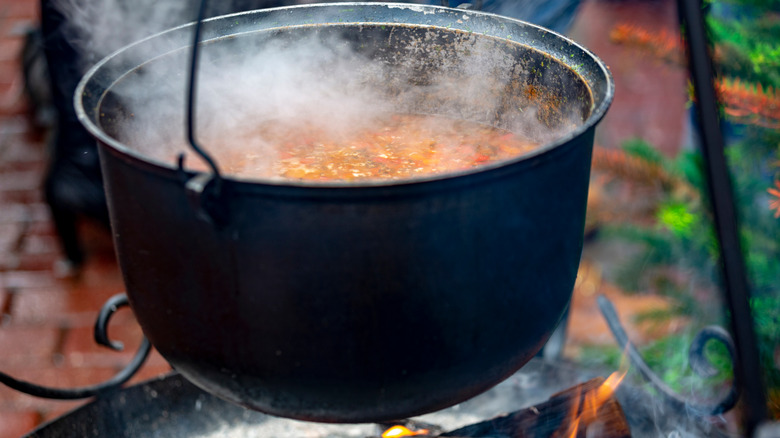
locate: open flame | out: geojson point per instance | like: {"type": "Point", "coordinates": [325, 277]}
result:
{"type": "Point", "coordinates": [585, 409]}
{"type": "Point", "coordinates": [399, 431]}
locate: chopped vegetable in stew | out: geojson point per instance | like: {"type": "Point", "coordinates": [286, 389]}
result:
{"type": "Point", "coordinates": [404, 146]}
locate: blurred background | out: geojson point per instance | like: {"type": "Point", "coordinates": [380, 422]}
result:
{"type": "Point", "coordinates": [650, 244]}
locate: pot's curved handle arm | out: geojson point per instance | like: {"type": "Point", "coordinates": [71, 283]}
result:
{"type": "Point", "coordinates": [204, 191]}
{"type": "Point", "coordinates": [101, 337]}
{"type": "Point", "coordinates": [191, 99]}
{"type": "Point", "coordinates": [696, 357]}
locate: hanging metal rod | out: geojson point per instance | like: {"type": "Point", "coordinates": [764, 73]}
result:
{"type": "Point", "coordinates": [735, 283]}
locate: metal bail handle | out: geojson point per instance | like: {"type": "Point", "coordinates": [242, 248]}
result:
{"type": "Point", "coordinates": [206, 200]}
{"type": "Point", "coordinates": [204, 191]}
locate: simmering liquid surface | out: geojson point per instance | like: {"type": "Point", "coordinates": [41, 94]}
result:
{"type": "Point", "coordinates": [398, 147]}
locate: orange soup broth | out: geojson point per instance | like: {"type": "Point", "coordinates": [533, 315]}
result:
{"type": "Point", "coordinates": [398, 147]}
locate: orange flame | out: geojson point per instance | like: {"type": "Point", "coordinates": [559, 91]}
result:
{"type": "Point", "coordinates": [585, 408]}
{"type": "Point", "coordinates": [399, 431]}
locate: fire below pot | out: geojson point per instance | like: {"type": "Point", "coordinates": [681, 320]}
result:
{"type": "Point", "coordinates": [355, 301]}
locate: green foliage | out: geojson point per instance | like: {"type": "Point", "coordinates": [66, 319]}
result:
{"type": "Point", "coordinates": [601, 355]}
{"type": "Point", "coordinates": [670, 354]}
{"type": "Point", "coordinates": [689, 166]}
{"type": "Point", "coordinates": [748, 47]}
{"type": "Point", "coordinates": [765, 5]}
{"type": "Point", "coordinates": [668, 357]}
{"type": "Point", "coordinates": [680, 252]}
{"type": "Point", "coordinates": [683, 236]}
{"type": "Point", "coordinates": [677, 217]}
{"type": "Point", "coordinates": [766, 314]}
{"type": "Point", "coordinates": [645, 151]}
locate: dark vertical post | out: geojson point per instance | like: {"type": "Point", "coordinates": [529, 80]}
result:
{"type": "Point", "coordinates": [748, 370]}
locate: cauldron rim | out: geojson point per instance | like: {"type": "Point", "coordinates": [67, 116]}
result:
{"type": "Point", "coordinates": [598, 108]}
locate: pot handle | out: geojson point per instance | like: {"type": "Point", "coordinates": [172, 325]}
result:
{"type": "Point", "coordinates": [101, 337]}
{"type": "Point", "coordinates": [204, 191]}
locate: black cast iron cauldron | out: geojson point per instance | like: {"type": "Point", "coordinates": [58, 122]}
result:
{"type": "Point", "coordinates": [353, 302]}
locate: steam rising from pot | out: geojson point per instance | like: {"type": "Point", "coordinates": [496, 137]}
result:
{"type": "Point", "coordinates": [100, 27]}
{"type": "Point", "coordinates": [339, 78]}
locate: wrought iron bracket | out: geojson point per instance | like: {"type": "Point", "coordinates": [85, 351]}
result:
{"type": "Point", "coordinates": [697, 359]}
{"type": "Point", "coordinates": [101, 337]}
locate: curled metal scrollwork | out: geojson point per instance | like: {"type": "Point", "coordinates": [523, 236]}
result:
{"type": "Point", "coordinates": [101, 337]}
{"type": "Point", "coordinates": [696, 357]}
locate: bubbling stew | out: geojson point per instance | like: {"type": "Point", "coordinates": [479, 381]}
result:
{"type": "Point", "coordinates": [398, 147]}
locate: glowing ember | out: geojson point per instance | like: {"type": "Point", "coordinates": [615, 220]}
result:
{"type": "Point", "coordinates": [398, 431]}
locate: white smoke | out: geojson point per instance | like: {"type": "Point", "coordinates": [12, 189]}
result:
{"type": "Point", "coordinates": [245, 81]}
{"type": "Point", "coordinates": [99, 27]}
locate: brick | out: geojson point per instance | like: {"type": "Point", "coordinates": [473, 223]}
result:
{"type": "Point", "coordinates": [27, 279]}
{"type": "Point", "coordinates": [18, 212]}
{"type": "Point", "coordinates": [66, 304]}
{"type": "Point", "coordinates": [40, 228]}
{"type": "Point", "coordinates": [16, 148]}
{"type": "Point", "coordinates": [40, 306]}
{"type": "Point", "coordinates": [18, 423]}
{"type": "Point", "coordinates": [21, 196]}
{"type": "Point", "coordinates": [20, 26]}
{"type": "Point", "coordinates": [38, 212]}
{"type": "Point", "coordinates": [20, 10]}
{"type": "Point", "coordinates": [10, 70]}
{"type": "Point", "coordinates": [63, 377]}
{"type": "Point", "coordinates": [17, 107]}
{"type": "Point", "coordinates": [55, 409]}
{"type": "Point", "coordinates": [10, 234]}
{"type": "Point", "coordinates": [57, 377]}
{"type": "Point", "coordinates": [40, 245]}
{"type": "Point", "coordinates": [20, 180]}
{"type": "Point", "coordinates": [10, 48]}
{"type": "Point", "coordinates": [101, 272]}
{"type": "Point", "coordinates": [24, 346]}
{"type": "Point", "coordinates": [10, 91]}
{"type": "Point", "coordinates": [5, 307]}
{"type": "Point", "coordinates": [89, 300]}
{"type": "Point", "coordinates": [14, 125]}
{"type": "Point", "coordinates": [31, 262]}
{"type": "Point", "coordinates": [9, 261]}
{"type": "Point", "coordinates": [13, 213]}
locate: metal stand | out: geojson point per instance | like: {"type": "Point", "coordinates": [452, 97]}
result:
{"type": "Point", "coordinates": [736, 292]}
{"type": "Point", "coordinates": [696, 357]}
{"type": "Point", "coordinates": [101, 337]}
